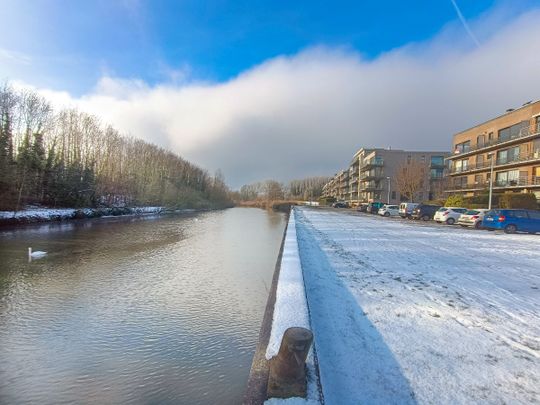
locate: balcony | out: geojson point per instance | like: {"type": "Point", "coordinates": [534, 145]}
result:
{"type": "Point", "coordinates": [371, 186]}
{"type": "Point", "coordinates": [523, 182]}
{"type": "Point", "coordinates": [372, 175]}
{"type": "Point", "coordinates": [374, 162]}
{"type": "Point", "coordinates": [353, 180]}
{"type": "Point", "coordinates": [524, 134]}
{"type": "Point", "coordinates": [522, 159]}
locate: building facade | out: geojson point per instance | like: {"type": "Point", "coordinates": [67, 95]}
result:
{"type": "Point", "coordinates": [372, 174]}
{"type": "Point", "coordinates": [510, 143]}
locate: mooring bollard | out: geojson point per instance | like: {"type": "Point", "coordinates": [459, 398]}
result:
{"type": "Point", "coordinates": [288, 369]}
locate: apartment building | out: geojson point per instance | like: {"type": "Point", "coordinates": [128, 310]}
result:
{"type": "Point", "coordinates": [372, 174]}
{"type": "Point", "coordinates": [510, 143]}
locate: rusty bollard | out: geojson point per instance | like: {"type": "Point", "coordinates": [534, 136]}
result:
{"type": "Point", "coordinates": [288, 369]}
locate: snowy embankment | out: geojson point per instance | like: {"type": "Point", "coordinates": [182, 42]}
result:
{"type": "Point", "coordinates": [60, 214]}
{"type": "Point", "coordinates": [405, 313]}
{"type": "Point", "coordinates": [291, 309]}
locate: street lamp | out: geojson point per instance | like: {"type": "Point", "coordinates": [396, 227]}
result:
{"type": "Point", "coordinates": [388, 199]}
{"type": "Point", "coordinates": [492, 157]}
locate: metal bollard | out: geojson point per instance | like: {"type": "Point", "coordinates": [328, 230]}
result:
{"type": "Point", "coordinates": [288, 369]}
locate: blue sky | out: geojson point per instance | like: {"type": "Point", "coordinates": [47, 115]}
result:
{"type": "Point", "coordinates": [277, 89]}
{"type": "Point", "coordinates": [73, 43]}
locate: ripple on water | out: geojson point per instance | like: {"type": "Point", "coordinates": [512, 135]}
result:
{"type": "Point", "coordinates": [161, 311]}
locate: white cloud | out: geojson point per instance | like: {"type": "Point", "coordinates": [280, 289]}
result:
{"type": "Point", "coordinates": [307, 114]}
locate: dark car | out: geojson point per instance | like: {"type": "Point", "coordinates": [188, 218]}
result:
{"type": "Point", "coordinates": [340, 204]}
{"type": "Point", "coordinates": [373, 207]}
{"type": "Point", "coordinates": [512, 221]}
{"type": "Point", "coordinates": [425, 211]}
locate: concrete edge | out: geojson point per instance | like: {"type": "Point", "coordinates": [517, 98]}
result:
{"type": "Point", "coordinates": [255, 393]}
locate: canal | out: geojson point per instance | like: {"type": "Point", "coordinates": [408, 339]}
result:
{"type": "Point", "coordinates": [140, 310]}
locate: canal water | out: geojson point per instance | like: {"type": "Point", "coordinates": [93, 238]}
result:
{"type": "Point", "coordinates": [148, 310]}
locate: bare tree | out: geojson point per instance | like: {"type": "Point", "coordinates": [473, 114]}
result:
{"type": "Point", "coordinates": [410, 178]}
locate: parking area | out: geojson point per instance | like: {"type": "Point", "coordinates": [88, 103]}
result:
{"type": "Point", "coordinates": [440, 313]}
{"type": "Point", "coordinates": [429, 223]}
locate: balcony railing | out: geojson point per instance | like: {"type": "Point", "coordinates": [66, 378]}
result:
{"type": "Point", "coordinates": [522, 182]}
{"type": "Point", "coordinates": [523, 133]}
{"type": "Point", "coordinates": [376, 161]}
{"type": "Point", "coordinates": [370, 175]}
{"type": "Point", "coordinates": [522, 158]}
{"type": "Point", "coordinates": [370, 186]}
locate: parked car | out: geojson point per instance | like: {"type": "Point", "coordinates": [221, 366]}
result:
{"type": "Point", "coordinates": [362, 207]}
{"type": "Point", "coordinates": [449, 215]}
{"type": "Point", "coordinates": [340, 204]}
{"type": "Point", "coordinates": [406, 209]}
{"type": "Point", "coordinates": [389, 210]}
{"type": "Point", "coordinates": [512, 221]}
{"type": "Point", "coordinates": [424, 211]}
{"type": "Point", "coordinates": [472, 218]}
{"type": "Point", "coordinates": [373, 207]}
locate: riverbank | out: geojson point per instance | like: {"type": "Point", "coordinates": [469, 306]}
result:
{"type": "Point", "coordinates": [37, 215]}
{"type": "Point", "coordinates": [278, 205]}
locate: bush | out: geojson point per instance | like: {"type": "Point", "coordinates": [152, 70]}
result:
{"type": "Point", "coordinates": [455, 200]}
{"type": "Point", "coordinates": [518, 200]}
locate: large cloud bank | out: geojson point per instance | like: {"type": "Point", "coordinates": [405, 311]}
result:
{"type": "Point", "coordinates": [307, 114]}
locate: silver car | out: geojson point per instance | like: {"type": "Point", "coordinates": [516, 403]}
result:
{"type": "Point", "coordinates": [472, 218]}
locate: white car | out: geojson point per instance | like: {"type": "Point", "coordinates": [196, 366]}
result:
{"type": "Point", "coordinates": [406, 209]}
{"type": "Point", "coordinates": [389, 210]}
{"type": "Point", "coordinates": [472, 218]}
{"type": "Point", "coordinates": [449, 215]}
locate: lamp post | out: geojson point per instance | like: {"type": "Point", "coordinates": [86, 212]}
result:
{"type": "Point", "coordinates": [388, 199]}
{"type": "Point", "coordinates": [492, 157]}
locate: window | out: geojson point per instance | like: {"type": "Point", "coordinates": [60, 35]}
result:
{"type": "Point", "coordinates": [480, 161]}
{"type": "Point", "coordinates": [509, 178]}
{"type": "Point", "coordinates": [534, 214]}
{"type": "Point", "coordinates": [520, 214]}
{"type": "Point", "coordinates": [393, 195]}
{"type": "Point", "coordinates": [480, 140]}
{"type": "Point", "coordinates": [465, 164]}
{"type": "Point", "coordinates": [437, 160]}
{"type": "Point", "coordinates": [478, 179]}
{"type": "Point", "coordinates": [502, 157]}
{"type": "Point", "coordinates": [436, 173]}
{"type": "Point", "coordinates": [513, 154]}
{"type": "Point", "coordinates": [512, 131]}
{"type": "Point", "coordinates": [490, 136]}
{"type": "Point", "coordinates": [463, 147]}
{"type": "Point", "coordinates": [460, 182]}
{"type": "Point", "coordinates": [409, 159]}
{"type": "Point", "coordinates": [423, 158]}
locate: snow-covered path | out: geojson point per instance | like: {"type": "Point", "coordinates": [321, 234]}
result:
{"type": "Point", "coordinates": [404, 313]}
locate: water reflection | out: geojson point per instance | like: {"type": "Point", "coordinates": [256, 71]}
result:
{"type": "Point", "coordinates": [152, 310]}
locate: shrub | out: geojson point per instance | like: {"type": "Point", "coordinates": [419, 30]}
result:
{"type": "Point", "coordinates": [455, 200]}
{"type": "Point", "coordinates": [518, 200]}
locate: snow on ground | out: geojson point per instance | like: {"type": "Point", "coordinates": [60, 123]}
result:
{"type": "Point", "coordinates": [45, 214]}
{"type": "Point", "coordinates": [290, 309]}
{"type": "Point", "coordinates": [42, 213]}
{"type": "Point", "coordinates": [407, 313]}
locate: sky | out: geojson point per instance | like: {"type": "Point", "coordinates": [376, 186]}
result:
{"type": "Point", "coordinates": [277, 89]}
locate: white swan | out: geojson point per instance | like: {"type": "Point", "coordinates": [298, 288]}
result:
{"type": "Point", "coordinates": [38, 254]}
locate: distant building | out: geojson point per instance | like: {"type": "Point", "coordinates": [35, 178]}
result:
{"type": "Point", "coordinates": [371, 176]}
{"type": "Point", "coordinates": [511, 142]}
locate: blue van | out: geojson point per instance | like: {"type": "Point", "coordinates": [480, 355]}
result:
{"type": "Point", "coordinates": [512, 221]}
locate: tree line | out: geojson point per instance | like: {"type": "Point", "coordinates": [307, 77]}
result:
{"type": "Point", "coordinates": [69, 158]}
{"type": "Point", "coordinates": [271, 190]}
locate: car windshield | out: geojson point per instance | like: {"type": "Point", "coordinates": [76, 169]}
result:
{"type": "Point", "coordinates": [472, 212]}
{"type": "Point", "coordinates": [442, 209]}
